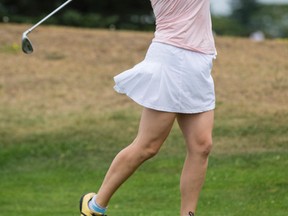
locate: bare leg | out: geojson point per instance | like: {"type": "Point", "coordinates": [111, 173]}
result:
{"type": "Point", "coordinates": [153, 130]}
{"type": "Point", "coordinates": [197, 130]}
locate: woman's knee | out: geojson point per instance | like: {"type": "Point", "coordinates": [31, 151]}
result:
{"type": "Point", "coordinates": [202, 146]}
{"type": "Point", "coordinates": [148, 148]}
{"type": "Point", "coordinates": [206, 147]}
{"type": "Point", "coordinates": [149, 152]}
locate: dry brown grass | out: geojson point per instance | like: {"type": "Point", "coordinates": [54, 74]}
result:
{"type": "Point", "coordinates": [252, 75]}
{"type": "Point", "coordinates": [70, 72]}
{"type": "Point", "coordinates": [72, 69]}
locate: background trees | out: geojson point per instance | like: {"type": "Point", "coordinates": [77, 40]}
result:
{"type": "Point", "coordinates": [127, 14]}
{"type": "Point", "coordinates": [247, 15]}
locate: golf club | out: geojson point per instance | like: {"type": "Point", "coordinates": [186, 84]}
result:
{"type": "Point", "coordinates": [27, 46]}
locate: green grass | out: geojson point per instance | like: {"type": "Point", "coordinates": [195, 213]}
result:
{"type": "Point", "coordinates": [10, 48]}
{"type": "Point", "coordinates": [46, 172]}
{"type": "Point", "coordinates": [61, 124]}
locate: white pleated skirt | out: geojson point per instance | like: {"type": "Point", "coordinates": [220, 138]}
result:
{"type": "Point", "coordinates": [170, 79]}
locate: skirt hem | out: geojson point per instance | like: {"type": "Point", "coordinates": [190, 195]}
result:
{"type": "Point", "coordinates": [166, 109]}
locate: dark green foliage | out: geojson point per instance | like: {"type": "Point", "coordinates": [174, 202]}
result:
{"type": "Point", "coordinates": [247, 15]}
{"type": "Point", "coordinates": [86, 13]}
{"type": "Point", "coordinates": [243, 10]}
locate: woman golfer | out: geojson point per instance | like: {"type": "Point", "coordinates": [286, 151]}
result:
{"type": "Point", "coordinates": [173, 82]}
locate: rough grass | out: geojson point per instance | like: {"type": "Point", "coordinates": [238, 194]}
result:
{"type": "Point", "coordinates": [61, 123]}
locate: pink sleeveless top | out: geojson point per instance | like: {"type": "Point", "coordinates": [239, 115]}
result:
{"type": "Point", "coordinates": [184, 23]}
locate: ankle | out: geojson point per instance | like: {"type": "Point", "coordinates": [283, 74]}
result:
{"type": "Point", "coordinates": [96, 207]}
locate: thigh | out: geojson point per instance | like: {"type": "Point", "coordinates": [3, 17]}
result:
{"type": "Point", "coordinates": [154, 126]}
{"type": "Point", "coordinates": [196, 128]}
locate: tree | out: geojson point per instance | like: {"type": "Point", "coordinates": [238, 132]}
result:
{"type": "Point", "coordinates": [243, 11]}
{"type": "Point", "coordinates": [88, 13]}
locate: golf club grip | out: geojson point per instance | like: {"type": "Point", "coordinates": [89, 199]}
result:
{"type": "Point", "coordinates": [48, 16]}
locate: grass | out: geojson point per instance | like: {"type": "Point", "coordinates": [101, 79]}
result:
{"type": "Point", "coordinates": [61, 124]}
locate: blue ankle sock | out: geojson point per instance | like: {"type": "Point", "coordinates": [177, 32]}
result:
{"type": "Point", "coordinates": [95, 207]}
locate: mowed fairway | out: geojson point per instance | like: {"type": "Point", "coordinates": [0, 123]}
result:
{"type": "Point", "coordinates": [61, 124]}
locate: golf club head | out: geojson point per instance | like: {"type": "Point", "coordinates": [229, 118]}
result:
{"type": "Point", "coordinates": [26, 44]}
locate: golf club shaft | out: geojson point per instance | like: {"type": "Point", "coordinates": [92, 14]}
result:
{"type": "Point", "coordinates": [48, 16]}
